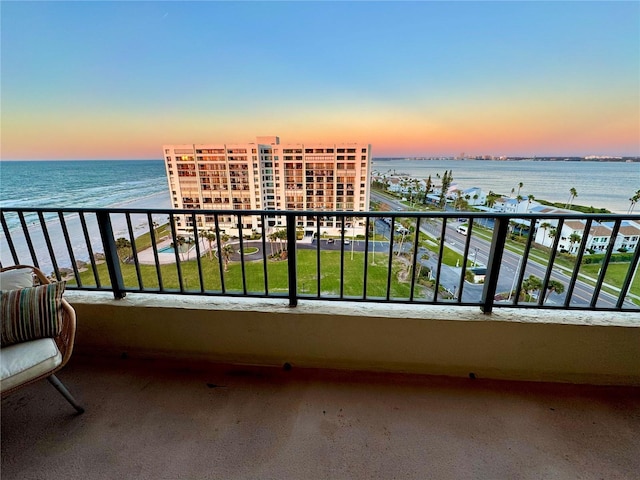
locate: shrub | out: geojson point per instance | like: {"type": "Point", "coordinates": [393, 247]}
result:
{"type": "Point", "coordinates": [567, 256]}
{"type": "Point", "coordinates": [615, 258]}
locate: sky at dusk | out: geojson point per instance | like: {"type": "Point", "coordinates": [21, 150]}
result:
{"type": "Point", "coordinates": [117, 80]}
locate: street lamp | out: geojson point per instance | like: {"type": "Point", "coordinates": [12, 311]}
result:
{"type": "Point", "coordinates": [633, 277]}
{"type": "Point", "coordinates": [515, 277]}
{"type": "Point", "coordinates": [373, 256]}
{"type": "Point", "coordinates": [353, 236]}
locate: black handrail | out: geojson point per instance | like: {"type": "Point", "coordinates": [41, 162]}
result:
{"type": "Point", "coordinates": [20, 239]}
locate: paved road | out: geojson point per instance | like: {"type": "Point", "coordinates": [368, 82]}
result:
{"type": "Point", "coordinates": [509, 270]}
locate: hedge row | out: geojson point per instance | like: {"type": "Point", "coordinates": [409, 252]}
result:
{"type": "Point", "coordinates": [599, 257]}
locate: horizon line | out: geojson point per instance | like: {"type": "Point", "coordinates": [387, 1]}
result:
{"type": "Point", "coordinates": [391, 157]}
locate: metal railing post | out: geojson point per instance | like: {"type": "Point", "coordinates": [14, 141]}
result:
{"type": "Point", "coordinates": [111, 254]}
{"type": "Point", "coordinates": [498, 240]}
{"type": "Point", "coordinates": [291, 260]}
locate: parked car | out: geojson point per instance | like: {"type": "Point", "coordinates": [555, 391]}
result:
{"type": "Point", "coordinates": [331, 240]}
{"type": "Point", "coordinates": [347, 242]}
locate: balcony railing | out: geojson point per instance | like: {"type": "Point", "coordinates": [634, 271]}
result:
{"type": "Point", "coordinates": [495, 260]}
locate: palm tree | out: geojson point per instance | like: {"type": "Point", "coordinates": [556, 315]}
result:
{"type": "Point", "coordinates": [574, 238]}
{"type": "Point", "coordinates": [180, 241]}
{"type": "Point", "coordinates": [553, 286]}
{"type": "Point", "coordinates": [530, 199]}
{"type": "Point", "coordinates": [531, 284]}
{"type": "Point", "coordinates": [403, 186]}
{"type": "Point", "coordinates": [227, 251]}
{"type": "Point", "coordinates": [520, 185]}
{"type": "Point", "coordinates": [122, 247]}
{"type": "Point", "coordinates": [417, 189]}
{"type": "Point", "coordinates": [491, 199]}
{"type": "Point", "coordinates": [272, 239]}
{"type": "Point", "coordinates": [282, 237]}
{"type": "Point", "coordinates": [210, 236]}
{"type": "Point", "coordinates": [402, 237]}
{"type": "Point", "coordinates": [427, 189]}
{"type": "Point", "coordinates": [277, 236]}
{"type": "Point", "coordinates": [544, 226]}
{"type": "Point", "coordinates": [188, 242]}
{"type": "Point", "coordinates": [553, 231]}
{"type": "Point", "coordinates": [447, 178]}
{"type": "Point", "coordinates": [634, 199]}
{"type": "Point", "coordinates": [512, 226]}
{"type": "Point", "coordinates": [573, 193]}
{"type": "Point", "coordinates": [458, 202]}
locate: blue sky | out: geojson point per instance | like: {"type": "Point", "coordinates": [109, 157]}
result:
{"type": "Point", "coordinates": [119, 79]}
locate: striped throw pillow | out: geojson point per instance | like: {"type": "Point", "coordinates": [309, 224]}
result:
{"type": "Point", "coordinates": [31, 313]}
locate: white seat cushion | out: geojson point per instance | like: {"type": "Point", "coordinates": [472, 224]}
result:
{"type": "Point", "coordinates": [16, 279]}
{"type": "Point", "coordinates": [22, 362]}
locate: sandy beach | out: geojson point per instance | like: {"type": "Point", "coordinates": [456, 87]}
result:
{"type": "Point", "coordinates": [76, 236]}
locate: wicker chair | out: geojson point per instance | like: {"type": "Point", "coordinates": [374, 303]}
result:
{"type": "Point", "coordinates": [28, 362]}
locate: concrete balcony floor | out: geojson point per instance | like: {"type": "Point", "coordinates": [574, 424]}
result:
{"type": "Point", "coordinates": [151, 420]}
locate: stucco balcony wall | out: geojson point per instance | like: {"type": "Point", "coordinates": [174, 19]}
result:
{"type": "Point", "coordinates": [515, 344]}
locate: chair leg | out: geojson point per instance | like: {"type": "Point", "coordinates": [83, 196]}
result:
{"type": "Point", "coordinates": [53, 380]}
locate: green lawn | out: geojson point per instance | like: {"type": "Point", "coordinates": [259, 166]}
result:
{"type": "Point", "coordinates": [277, 275]}
{"type": "Point", "coordinates": [616, 274]}
{"type": "Point", "coordinates": [144, 240]}
{"type": "Point", "coordinates": [449, 257]}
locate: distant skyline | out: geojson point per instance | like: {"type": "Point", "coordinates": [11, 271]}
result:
{"type": "Point", "coordinates": [117, 80]}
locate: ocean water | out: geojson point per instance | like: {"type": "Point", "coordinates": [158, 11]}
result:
{"type": "Point", "coordinates": [86, 184]}
{"type": "Point", "coordinates": [599, 184]}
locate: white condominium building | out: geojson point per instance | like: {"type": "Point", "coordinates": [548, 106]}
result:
{"type": "Point", "coordinates": [268, 175]}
